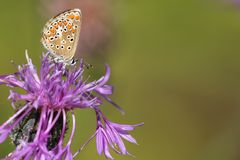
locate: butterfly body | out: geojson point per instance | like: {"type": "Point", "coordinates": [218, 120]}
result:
{"type": "Point", "coordinates": [61, 33]}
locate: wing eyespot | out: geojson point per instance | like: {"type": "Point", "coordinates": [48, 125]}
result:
{"type": "Point", "coordinates": [51, 38]}
{"type": "Point", "coordinates": [75, 27]}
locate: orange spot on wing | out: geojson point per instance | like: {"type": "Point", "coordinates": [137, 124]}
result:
{"type": "Point", "coordinates": [65, 23]}
{"type": "Point", "coordinates": [74, 30]}
{"type": "Point", "coordinates": [56, 26]}
{"type": "Point", "coordinates": [69, 26]}
{"type": "Point", "coordinates": [60, 23]}
{"type": "Point", "coordinates": [52, 30]}
{"type": "Point", "coordinates": [71, 16]}
{"type": "Point", "coordinates": [77, 17]}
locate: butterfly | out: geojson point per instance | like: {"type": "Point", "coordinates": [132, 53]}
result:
{"type": "Point", "coordinates": [60, 35]}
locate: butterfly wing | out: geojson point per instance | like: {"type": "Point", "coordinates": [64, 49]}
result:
{"type": "Point", "coordinates": [60, 35]}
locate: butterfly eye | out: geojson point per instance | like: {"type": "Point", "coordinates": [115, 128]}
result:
{"type": "Point", "coordinates": [73, 61]}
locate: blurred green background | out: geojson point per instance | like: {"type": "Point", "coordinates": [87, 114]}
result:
{"type": "Point", "coordinates": [175, 66]}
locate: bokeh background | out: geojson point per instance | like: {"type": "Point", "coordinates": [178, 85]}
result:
{"type": "Point", "coordinates": [175, 66]}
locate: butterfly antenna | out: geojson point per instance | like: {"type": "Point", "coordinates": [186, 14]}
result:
{"type": "Point", "coordinates": [87, 65]}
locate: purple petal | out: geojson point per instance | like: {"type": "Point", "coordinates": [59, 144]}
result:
{"type": "Point", "coordinates": [3, 136]}
{"type": "Point", "coordinates": [105, 90]}
{"type": "Point", "coordinates": [129, 138]}
{"type": "Point", "coordinates": [11, 81]}
{"type": "Point", "coordinates": [106, 77]}
{"type": "Point", "coordinates": [69, 155]}
{"type": "Point", "coordinates": [114, 104]}
{"type": "Point", "coordinates": [99, 83]}
{"type": "Point", "coordinates": [125, 127]}
{"type": "Point", "coordinates": [110, 135]}
{"type": "Point", "coordinates": [106, 149]}
{"type": "Point", "coordinates": [99, 142]}
{"type": "Point", "coordinates": [18, 97]}
{"type": "Point", "coordinates": [117, 140]}
{"type": "Point", "coordinates": [14, 116]}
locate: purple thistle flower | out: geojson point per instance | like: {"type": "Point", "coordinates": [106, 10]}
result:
{"type": "Point", "coordinates": [40, 123]}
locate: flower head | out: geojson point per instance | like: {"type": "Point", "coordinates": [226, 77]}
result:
{"type": "Point", "coordinates": [40, 122]}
